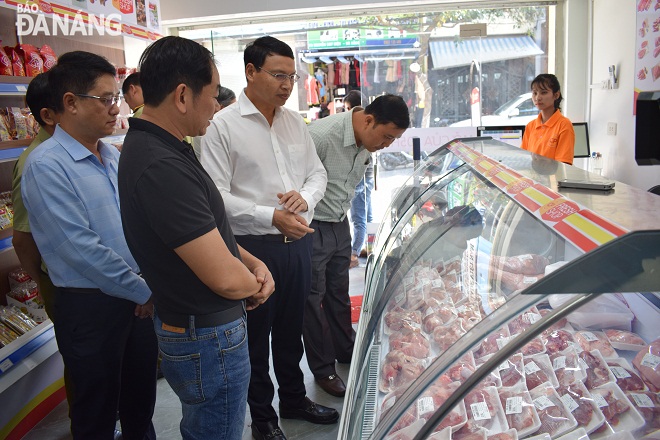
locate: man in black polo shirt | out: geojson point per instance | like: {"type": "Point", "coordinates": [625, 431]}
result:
{"type": "Point", "coordinates": [175, 225]}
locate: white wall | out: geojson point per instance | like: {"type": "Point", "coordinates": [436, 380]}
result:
{"type": "Point", "coordinates": [614, 31]}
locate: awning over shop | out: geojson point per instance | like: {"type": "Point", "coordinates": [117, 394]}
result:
{"type": "Point", "coordinates": [453, 53]}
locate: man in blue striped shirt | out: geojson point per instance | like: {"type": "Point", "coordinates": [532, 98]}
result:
{"type": "Point", "coordinates": [69, 188]}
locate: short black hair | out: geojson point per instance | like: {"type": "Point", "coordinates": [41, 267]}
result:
{"type": "Point", "coordinates": [389, 108]}
{"type": "Point", "coordinates": [76, 72]}
{"type": "Point", "coordinates": [355, 98]}
{"type": "Point", "coordinates": [257, 51]}
{"type": "Point", "coordinates": [131, 80]}
{"type": "Point", "coordinates": [38, 96]}
{"type": "Point", "coordinates": [225, 96]}
{"type": "Point", "coordinates": [548, 81]}
{"type": "Point", "coordinates": [171, 61]}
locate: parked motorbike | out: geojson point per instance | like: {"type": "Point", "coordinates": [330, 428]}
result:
{"type": "Point", "coordinates": [390, 161]}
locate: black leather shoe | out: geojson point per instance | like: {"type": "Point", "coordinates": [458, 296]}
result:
{"type": "Point", "coordinates": [332, 385]}
{"type": "Point", "coordinates": [270, 431]}
{"type": "Point", "coordinates": [310, 411]}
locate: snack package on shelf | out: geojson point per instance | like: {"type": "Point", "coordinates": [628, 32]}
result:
{"type": "Point", "coordinates": [7, 335]}
{"type": "Point", "coordinates": [48, 56]}
{"type": "Point", "coordinates": [5, 63]}
{"type": "Point", "coordinates": [26, 298]}
{"type": "Point", "coordinates": [6, 216]}
{"type": "Point", "coordinates": [34, 64]}
{"type": "Point", "coordinates": [17, 277]}
{"type": "Point", "coordinates": [17, 66]}
{"type": "Point", "coordinates": [16, 320]}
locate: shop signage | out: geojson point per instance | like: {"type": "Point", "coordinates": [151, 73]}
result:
{"type": "Point", "coordinates": [359, 37]}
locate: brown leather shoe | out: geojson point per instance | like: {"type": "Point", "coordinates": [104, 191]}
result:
{"type": "Point", "coordinates": [332, 385]}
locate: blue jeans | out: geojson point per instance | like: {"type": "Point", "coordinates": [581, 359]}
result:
{"type": "Point", "coordinates": [361, 210]}
{"type": "Point", "coordinates": [209, 370]}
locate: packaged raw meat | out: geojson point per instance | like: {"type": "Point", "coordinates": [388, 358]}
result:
{"type": "Point", "coordinates": [399, 369]}
{"type": "Point", "coordinates": [648, 405]}
{"type": "Point", "coordinates": [398, 319]}
{"type": "Point", "coordinates": [558, 340]}
{"type": "Point", "coordinates": [514, 282]}
{"type": "Point", "coordinates": [446, 335]}
{"type": "Point", "coordinates": [542, 436]}
{"type": "Point", "coordinates": [538, 370]}
{"type": "Point", "coordinates": [407, 433]}
{"type": "Point", "coordinates": [512, 371]}
{"type": "Point", "coordinates": [567, 367]}
{"type": "Point", "coordinates": [465, 434]}
{"type": "Point", "coordinates": [579, 402]}
{"type": "Point", "coordinates": [461, 369]}
{"type": "Point", "coordinates": [647, 363]}
{"type": "Point", "coordinates": [590, 340]}
{"type": "Point", "coordinates": [436, 313]}
{"type": "Point", "coordinates": [485, 411]}
{"type": "Point", "coordinates": [626, 378]}
{"type": "Point", "coordinates": [555, 418]}
{"type": "Point", "coordinates": [524, 321]}
{"type": "Point", "coordinates": [578, 434]}
{"type": "Point", "coordinates": [533, 347]}
{"type": "Point", "coordinates": [411, 343]}
{"type": "Point", "coordinates": [470, 313]}
{"type": "Point", "coordinates": [620, 415]}
{"type": "Point", "coordinates": [562, 324]}
{"type": "Point", "coordinates": [492, 343]}
{"type": "Point", "coordinates": [519, 410]}
{"type": "Point", "coordinates": [527, 264]}
{"type": "Point", "coordinates": [623, 340]}
{"type": "Point", "coordinates": [598, 373]}
{"type": "Point", "coordinates": [511, 434]}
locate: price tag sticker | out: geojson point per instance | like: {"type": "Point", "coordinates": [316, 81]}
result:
{"type": "Point", "coordinates": [400, 298]}
{"type": "Point", "coordinates": [590, 337]}
{"type": "Point", "coordinates": [599, 400]}
{"type": "Point", "coordinates": [559, 362]}
{"type": "Point", "coordinates": [532, 317]}
{"type": "Point", "coordinates": [408, 281]}
{"type": "Point", "coordinates": [576, 346]}
{"type": "Point", "coordinates": [461, 309]}
{"type": "Point", "coordinates": [650, 360]}
{"type": "Point", "coordinates": [503, 366]}
{"type": "Point", "coordinates": [583, 363]}
{"type": "Point", "coordinates": [425, 405]}
{"type": "Point", "coordinates": [501, 342]}
{"type": "Point", "coordinates": [642, 400]}
{"type": "Point", "coordinates": [620, 372]}
{"type": "Point", "coordinates": [529, 280]}
{"type": "Point", "coordinates": [480, 411]}
{"type": "Point", "coordinates": [531, 368]}
{"type": "Point", "coordinates": [542, 402]}
{"type": "Point", "coordinates": [437, 283]}
{"type": "Point", "coordinates": [568, 401]}
{"type": "Point", "coordinates": [514, 405]}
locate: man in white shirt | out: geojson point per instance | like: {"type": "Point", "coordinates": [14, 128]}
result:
{"type": "Point", "coordinates": [264, 163]}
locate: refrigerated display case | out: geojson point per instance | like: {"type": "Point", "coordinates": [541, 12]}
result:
{"type": "Point", "coordinates": [500, 306]}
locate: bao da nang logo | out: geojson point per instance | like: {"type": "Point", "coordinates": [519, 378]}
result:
{"type": "Point", "coordinates": [31, 20]}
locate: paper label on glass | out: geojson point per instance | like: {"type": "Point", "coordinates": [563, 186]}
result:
{"type": "Point", "coordinates": [650, 360]}
{"type": "Point", "coordinates": [590, 337]}
{"type": "Point", "coordinates": [514, 405]}
{"type": "Point", "coordinates": [542, 402]}
{"type": "Point", "coordinates": [531, 368]}
{"type": "Point", "coordinates": [642, 400]}
{"type": "Point", "coordinates": [559, 362]}
{"type": "Point", "coordinates": [480, 411]}
{"type": "Point", "coordinates": [425, 405]}
{"type": "Point", "coordinates": [599, 400]}
{"type": "Point", "coordinates": [568, 401]}
{"type": "Point", "coordinates": [619, 372]}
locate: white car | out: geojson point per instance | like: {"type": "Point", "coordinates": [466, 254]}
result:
{"type": "Point", "coordinates": [518, 111]}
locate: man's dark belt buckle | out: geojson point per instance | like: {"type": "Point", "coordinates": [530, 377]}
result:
{"type": "Point", "coordinates": [288, 240]}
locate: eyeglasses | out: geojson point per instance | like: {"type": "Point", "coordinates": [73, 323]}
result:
{"type": "Point", "coordinates": [108, 101]}
{"type": "Point", "coordinates": [281, 77]}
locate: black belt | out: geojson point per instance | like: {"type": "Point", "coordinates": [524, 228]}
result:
{"type": "Point", "coordinates": [277, 238]}
{"type": "Point", "coordinates": [200, 321]}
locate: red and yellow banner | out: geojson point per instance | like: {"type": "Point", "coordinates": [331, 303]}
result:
{"type": "Point", "coordinates": [577, 224]}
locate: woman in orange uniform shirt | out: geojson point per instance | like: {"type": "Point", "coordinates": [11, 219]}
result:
{"type": "Point", "coordinates": [551, 134]}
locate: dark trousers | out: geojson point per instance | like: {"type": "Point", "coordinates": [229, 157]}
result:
{"type": "Point", "coordinates": [110, 358]}
{"type": "Point", "coordinates": [280, 320]}
{"type": "Point", "coordinates": [327, 331]}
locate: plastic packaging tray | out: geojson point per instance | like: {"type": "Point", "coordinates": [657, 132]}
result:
{"type": "Point", "coordinates": [628, 421]}
{"type": "Point", "coordinates": [614, 336]}
{"type": "Point", "coordinates": [513, 401]}
{"type": "Point", "coordinates": [577, 393]}
{"type": "Point", "coordinates": [578, 434]}
{"type": "Point", "coordinates": [539, 362]}
{"type": "Point", "coordinates": [593, 381]}
{"type": "Point", "coordinates": [623, 373]}
{"type": "Point", "coordinates": [593, 340]}
{"type": "Point", "coordinates": [479, 411]}
{"type": "Point", "coordinates": [545, 397]}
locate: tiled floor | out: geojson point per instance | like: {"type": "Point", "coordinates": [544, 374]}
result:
{"type": "Point", "coordinates": [168, 409]}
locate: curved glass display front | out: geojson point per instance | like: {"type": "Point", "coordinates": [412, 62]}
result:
{"type": "Point", "coordinates": [443, 299]}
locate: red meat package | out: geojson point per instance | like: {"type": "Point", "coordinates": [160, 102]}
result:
{"type": "Point", "coordinates": [5, 63]}
{"type": "Point", "coordinates": [32, 61]}
{"type": "Point", "coordinates": [555, 418]}
{"type": "Point", "coordinates": [577, 399]}
{"type": "Point", "coordinates": [520, 410]}
{"type": "Point", "coordinates": [647, 363]}
{"type": "Point", "coordinates": [648, 405]}
{"type": "Point", "coordinates": [626, 378]}
{"type": "Point", "coordinates": [49, 57]}
{"type": "Point", "coordinates": [527, 264]}
{"type": "Point", "coordinates": [16, 61]}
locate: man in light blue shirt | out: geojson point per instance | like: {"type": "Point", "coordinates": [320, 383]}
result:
{"type": "Point", "coordinates": [69, 188]}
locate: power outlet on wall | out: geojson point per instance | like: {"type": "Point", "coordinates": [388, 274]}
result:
{"type": "Point", "coordinates": [611, 128]}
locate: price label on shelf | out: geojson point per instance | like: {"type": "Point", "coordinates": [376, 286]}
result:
{"type": "Point", "coordinates": [6, 365]}
{"type": "Point", "coordinates": [559, 362]}
{"type": "Point", "coordinates": [480, 411]}
{"type": "Point", "coordinates": [620, 372]}
{"type": "Point", "coordinates": [531, 368]}
{"type": "Point", "coordinates": [542, 402]}
{"type": "Point", "coordinates": [514, 405]}
{"type": "Point", "coordinates": [599, 400]}
{"type": "Point", "coordinates": [650, 360]}
{"type": "Point", "coordinates": [568, 401]}
{"type": "Point", "coordinates": [642, 400]}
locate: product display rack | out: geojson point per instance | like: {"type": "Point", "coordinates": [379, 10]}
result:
{"type": "Point", "coordinates": [473, 215]}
